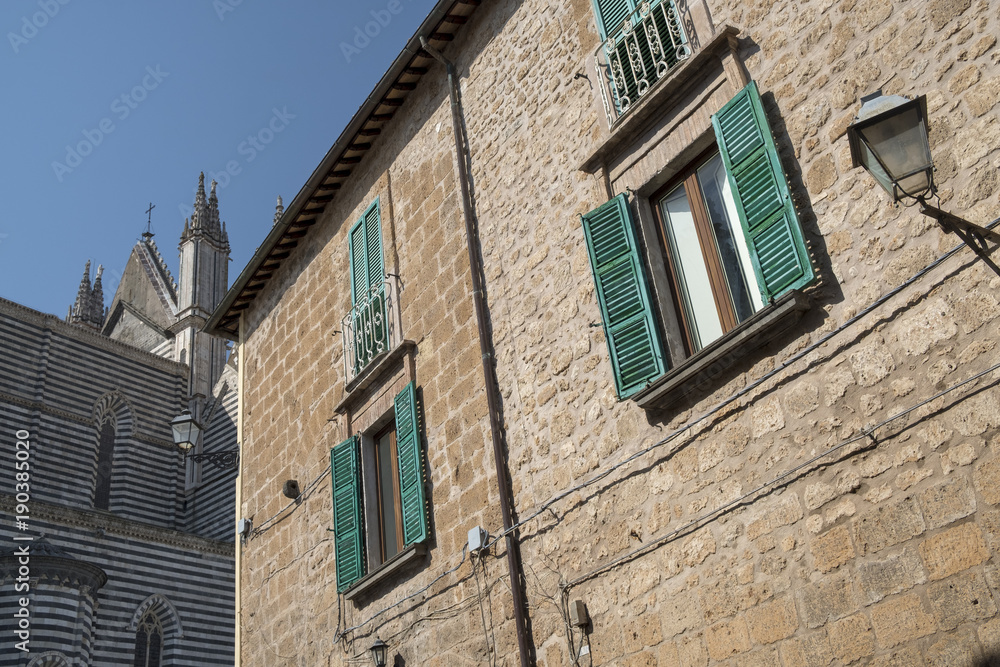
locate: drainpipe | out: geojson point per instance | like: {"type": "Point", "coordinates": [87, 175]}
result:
{"type": "Point", "coordinates": [486, 347]}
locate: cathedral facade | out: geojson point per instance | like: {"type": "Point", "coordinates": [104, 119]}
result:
{"type": "Point", "coordinates": [116, 547]}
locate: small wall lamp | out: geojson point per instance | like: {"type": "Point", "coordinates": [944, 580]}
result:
{"type": "Point", "coordinates": [186, 431]}
{"type": "Point", "coordinates": [889, 138]}
{"type": "Point", "coordinates": [380, 652]}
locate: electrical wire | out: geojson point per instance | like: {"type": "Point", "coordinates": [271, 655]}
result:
{"type": "Point", "coordinates": [487, 633]}
{"type": "Point", "coordinates": [269, 523]}
{"type": "Point", "coordinates": [776, 481]}
{"type": "Point", "coordinates": [337, 637]}
{"type": "Point", "coordinates": [544, 507]}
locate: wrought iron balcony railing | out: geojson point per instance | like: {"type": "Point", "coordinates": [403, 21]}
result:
{"type": "Point", "coordinates": [648, 44]}
{"type": "Point", "coordinates": [372, 327]}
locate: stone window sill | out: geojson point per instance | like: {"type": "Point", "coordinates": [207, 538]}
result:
{"type": "Point", "coordinates": [703, 368]}
{"type": "Point", "coordinates": [386, 571]}
{"type": "Point", "coordinates": [372, 373]}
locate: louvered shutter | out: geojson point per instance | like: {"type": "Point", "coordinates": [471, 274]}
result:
{"type": "Point", "coordinates": [373, 244]}
{"type": "Point", "coordinates": [411, 466]}
{"type": "Point", "coordinates": [345, 472]}
{"type": "Point", "coordinates": [623, 294]}
{"type": "Point", "coordinates": [365, 248]}
{"type": "Point", "coordinates": [777, 248]}
{"type": "Point", "coordinates": [370, 320]}
{"type": "Point", "coordinates": [611, 14]}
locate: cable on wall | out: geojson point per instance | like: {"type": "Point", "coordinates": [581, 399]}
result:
{"type": "Point", "coordinates": [776, 481]}
{"type": "Point", "coordinates": [544, 507]}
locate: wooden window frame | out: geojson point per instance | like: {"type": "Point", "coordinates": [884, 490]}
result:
{"type": "Point", "coordinates": [389, 430]}
{"type": "Point", "coordinates": [688, 178]}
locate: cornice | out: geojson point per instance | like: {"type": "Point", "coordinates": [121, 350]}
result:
{"type": "Point", "coordinates": [105, 523]}
{"type": "Point", "coordinates": [83, 335]}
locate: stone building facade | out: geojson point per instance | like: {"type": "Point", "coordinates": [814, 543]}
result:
{"type": "Point", "coordinates": [809, 479]}
{"type": "Point", "coordinates": [117, 550]}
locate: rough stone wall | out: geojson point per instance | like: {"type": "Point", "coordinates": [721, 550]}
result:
{"type": "Point", "coordinates": [881, 552]}
{"type": "Point", "coordinates": [294, 380]}
{"type": "Point", "coordinates": [727, 542]}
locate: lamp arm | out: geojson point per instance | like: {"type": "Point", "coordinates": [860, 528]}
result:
{"type": "Point", "coordinates": [971, 234]}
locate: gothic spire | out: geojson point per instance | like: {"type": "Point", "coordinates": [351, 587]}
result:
{"type": "Point", "coordinates": [96, 313]}
{"type": "Point", "coordinates": [212, 219]}
{"type": "Point", "coordinates": [200, 205]}
{"type": "Point", "coordinates": [279, 210]}
{"type": "Point", "coordinates": [85, 309]}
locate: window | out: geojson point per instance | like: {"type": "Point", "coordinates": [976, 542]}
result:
{"type": "Point", "coordinates": [379, 501]}
{"type": "Point", "coordinates": [367, 325]}
{"type": "Point", "coordinates": [642, 41]}
{"type": "Point", "coordinates": [707, 254]}
{"type": "Point", "coordinates": [105, 459]}
{"type": "Point", "coordinates": [148, 641]}
{"type": "Point", "coordinates": [732, 239]}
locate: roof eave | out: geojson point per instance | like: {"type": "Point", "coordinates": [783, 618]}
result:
{"type": "Point", "coordinates": [347, 138]}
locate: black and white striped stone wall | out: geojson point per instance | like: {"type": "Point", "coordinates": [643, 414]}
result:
{"type": "Point", "coordinates": [163, 548]}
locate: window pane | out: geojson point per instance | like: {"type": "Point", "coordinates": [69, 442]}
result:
{"type": "Point", "coordinates": [695, 288]}
{"type": "Point", "coordinates": [386, 497]}
{"type": "Point", "coordinates": [733, 252]}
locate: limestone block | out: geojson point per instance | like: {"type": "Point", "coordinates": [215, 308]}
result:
{"type": "Point", "coordinates": [851, 638]}
{"type": "Point", "coordinates": [783, 512]}
{"type": "Point", "coordinates": [832, 549]}
{"type": "Point", "coordinates": [829, 599]}
{"type": "Point", "coordinates": [959, 599]}
{"type": "Point", "coordinates": [766, 417]}
{"type": "Point", "coordinates": [727, 638]}
{"type": "Point", "coordinates": [872, 363]}
{"type": "Point", "coordinates": [816, 495]}
{"type": "Point", "coordinates": [954, 550]}
{"type": "Point", "coordinates": [940, 12]}
{"type": "Point", "coordinates": [955, 649]}
{"type": "Point", "coordinates": [947, 502]}
{"type": "Point", "coordinates": [893, 574]}
{"type": "Point", "coordinates": [900, 619]}
{"type": "Point", "coordinates": [808, 651]}
{"type": "Point", "coordinates": [932, 324]}
{"type": "Point", "coordinates": [773, 621]}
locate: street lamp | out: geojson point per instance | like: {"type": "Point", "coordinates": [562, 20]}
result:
{"type": "Point", "coordinates": [187, 431]}
{"type": "Point", "coordinates": [889, 139]}
{"type": "Point", "coordinates": [380, 652]}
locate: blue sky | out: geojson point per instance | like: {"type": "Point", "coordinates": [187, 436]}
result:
{"type": "Point", "coordinates": [111, 105]}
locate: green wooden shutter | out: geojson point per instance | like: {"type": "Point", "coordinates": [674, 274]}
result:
{"type": "Point", "coordinates": [777, 247]}
{"type": "Point", "coordinates": [611, 14]}
{"type": "Point", "coordinates": [345, 473]}
{"type": "Point", "coordinates": [411, 466]}
{"type": "Point", "coordinates": [623, 294]}
{"type": "Point", "coordinates": [359, 260]}
{"type": "Point", "coordinates": [365, 248]}
{"type": "Point", "coordinates": [373, 243]}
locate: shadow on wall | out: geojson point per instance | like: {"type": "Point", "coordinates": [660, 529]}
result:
{"type": "Point", "coordinates": [991, 660]}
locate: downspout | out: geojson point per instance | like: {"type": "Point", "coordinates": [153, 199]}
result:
{"type": "Point", "coordinates": [486, 348]}
{"type": "Point", "coordinates": [238, 542]}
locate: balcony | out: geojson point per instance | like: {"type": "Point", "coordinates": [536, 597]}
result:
{"type": "Point", "coordinates": [371, 329]}
{"type": "Point", "coordinates": [648, 45]}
